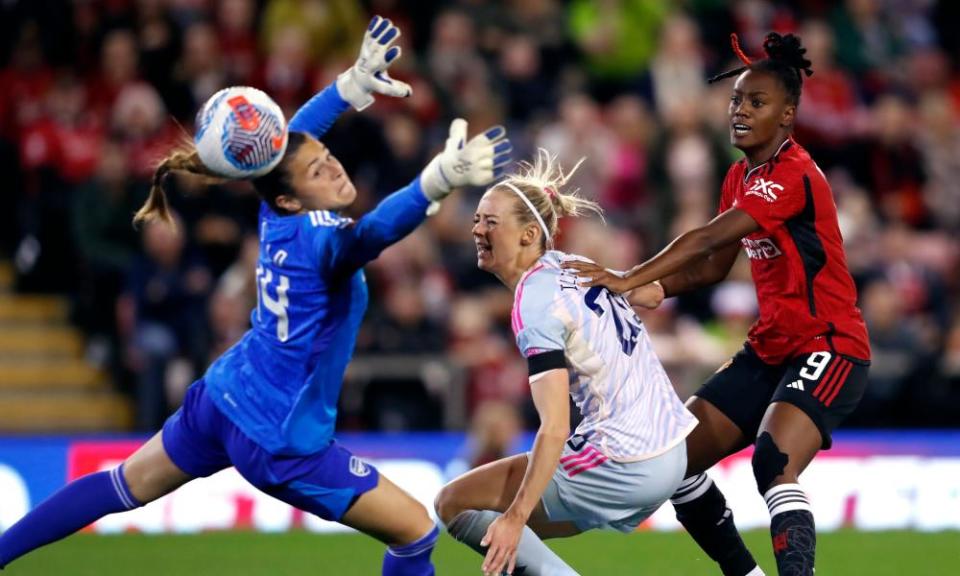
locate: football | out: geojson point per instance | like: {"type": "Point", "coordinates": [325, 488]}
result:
{"type": "Point", "coordinates": [241, 133]}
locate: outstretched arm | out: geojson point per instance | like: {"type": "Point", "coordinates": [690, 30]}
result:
{"type": "Point", "coordinates": [476, 162]}
{"type": "Point", "coordinates": [550, 396]}
{"type": "Point", "coordinates": [687, 250]}
{"type": "Point", "coordinates": [708, 270]}
{"type": "Point", "coordinates": [319, 113]}
{"type": "Point", "coordinates": [394, 217]}
{"type": "Point", "coordinates": [355, 86]}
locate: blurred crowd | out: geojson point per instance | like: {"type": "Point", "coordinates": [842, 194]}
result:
{"type": "Point", "coordinates": [93, 92]}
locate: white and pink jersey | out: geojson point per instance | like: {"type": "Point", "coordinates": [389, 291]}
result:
{"type": "Point", "coordinates": [629, 407]}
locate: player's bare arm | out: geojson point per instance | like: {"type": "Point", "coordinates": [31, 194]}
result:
{"type": "Point", "coordinates": [550, 396]}
{"type": "Point", "coordinates": [689, 248]}
{"type": "Point", "coordinates": [648, 296]}
{"type": "Point", "coordinates": [707, 271]}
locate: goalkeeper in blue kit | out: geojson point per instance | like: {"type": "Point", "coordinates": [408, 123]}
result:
{"type": "Point", "coordinates": [268, 405]}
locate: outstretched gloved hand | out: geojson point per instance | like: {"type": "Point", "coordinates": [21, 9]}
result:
{"type": "Point", "coordinates": [476, 162]}
{"type": "Point", "coordinates": [369, 74]}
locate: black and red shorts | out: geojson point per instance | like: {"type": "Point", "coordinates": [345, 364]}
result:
{"type": "Point", "coordinates": [827, 386]}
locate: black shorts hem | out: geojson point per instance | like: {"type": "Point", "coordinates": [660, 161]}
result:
{"type": "Point", "coordinates": [717, 401]}
{"type": "Point", "coordinates": [741, 390]}
{"type": "Point", "coordinates": [816, 416]}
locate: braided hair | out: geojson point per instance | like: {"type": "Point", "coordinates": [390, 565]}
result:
{"type": "Point", "coordinates": [784, 60]}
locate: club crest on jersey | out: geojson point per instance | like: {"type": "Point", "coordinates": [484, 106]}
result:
{"type": "Point", "coordinates": [761, 249]}
{"type": "Point", "coordinates": [358, 467]}
{"type": "Point", "coordinates": [766, 189]}
{"type": "Point", "coordinates": [576, 442]}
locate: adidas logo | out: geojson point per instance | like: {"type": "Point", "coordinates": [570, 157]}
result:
{"type": "Point", "coordinates": [796, 385]}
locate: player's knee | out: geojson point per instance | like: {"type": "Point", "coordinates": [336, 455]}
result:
{"type": "Point", "coordinates": [768, 462]}
{"type": "Point", "coordinates": [419, 524]}
{"type": "Point", "coordinates": [139, 481]}
{"type": "Point", "coordinates": [447, 503]}
{"type": "Point", "coordinates": [147, 484]}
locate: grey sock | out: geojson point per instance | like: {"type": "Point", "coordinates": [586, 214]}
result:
{"type": "Point", "coordinates": [534, 558]}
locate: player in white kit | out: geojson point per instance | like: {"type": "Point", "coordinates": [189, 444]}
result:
{"type": "Point", "coordinates": [627, 456]}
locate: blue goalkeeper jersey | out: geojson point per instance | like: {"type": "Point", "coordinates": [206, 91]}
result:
{"type": "Point", "coordinates": [280, 383]}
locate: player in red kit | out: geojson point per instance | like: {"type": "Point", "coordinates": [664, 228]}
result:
{"type": "Point", "coordinates": [804, 366]}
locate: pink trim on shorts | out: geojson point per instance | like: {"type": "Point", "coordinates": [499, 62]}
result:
{"type": "Point", "coordinates": [574, 464]}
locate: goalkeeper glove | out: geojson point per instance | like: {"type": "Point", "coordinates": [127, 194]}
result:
{"type": "Point", "coordinates": [369, 73]}
{"type": "Point", "coordinates": [477, 162]}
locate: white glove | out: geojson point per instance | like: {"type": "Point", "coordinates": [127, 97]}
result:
{"type": "Point", "coordinates": [369, 73]}
{"type": "Point", "coordinates": [476, 163]}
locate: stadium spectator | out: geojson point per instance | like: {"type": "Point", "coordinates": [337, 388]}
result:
{"type": "Point", "coordinates": [286, 69]}
{"type": "Point", "coordinates": [160, 43]}
{"type": "Point", "coordinates": [677, 70]}
{"type": "Point", "coordinates": [106, 244]}
{"type": "Point", "coordinates": [119, 67]}
{"type": "Point", "coordinates": [331, 28]}
{"type": "Point", "coordinates": [627, 197]}
{"type": "Point", "coordinates": [898, 356]}
{"type": "Point", "coordinates": [453, 60]}
{"type": "Point", "coordinates": [236, 26]}
{"type": "Point", "coordinates": [579, 133]}
{"type": "Point", "coordinates": [493, 431]}
{"type": "Point", "coordinates": [202, 69]}
{"type": "Point", "coordinates": [138, 118]}
{"type": "Point", "coordinates": [866, 42]}
{"type": "Point", "coordinates": [522, 72]}
{"type": "Point", "coordinates": [832, 115]}
{"type": "Point", "coordinates": [493, 373]}
{"type": "Point", "coordinates": [404, 327]}
{"type": "Point", "coordinates": [939, 144]}
{"type": "Point", "coordinates": [892, 168]}
{"type": "Point", "coordinates": [617, 40]}
{"type": "Point", "coordinates": [161, 318]}
{"type": "Point", "coordinates": [233, 298]}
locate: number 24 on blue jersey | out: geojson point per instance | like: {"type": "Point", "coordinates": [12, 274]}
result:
{"type": "Point", "coordinates": [279, 305]}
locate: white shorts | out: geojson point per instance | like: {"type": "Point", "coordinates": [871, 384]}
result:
{"type": "Point", "coordinates": [595, 492]}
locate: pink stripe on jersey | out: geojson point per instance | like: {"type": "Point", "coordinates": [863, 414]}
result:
{"type": "Point", "coordinates": [593, 463]}
{"type": "Point", "coordinates": [515, 319]}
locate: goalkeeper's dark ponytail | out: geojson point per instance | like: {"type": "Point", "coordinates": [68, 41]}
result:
{"type": "Point", "coordinates": [785, 60]}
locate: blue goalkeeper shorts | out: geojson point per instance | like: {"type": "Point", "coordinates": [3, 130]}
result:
{"type": "Point", "coordinates": [200, 440]}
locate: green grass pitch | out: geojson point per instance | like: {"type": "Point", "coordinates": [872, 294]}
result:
{"type": "Point", "coordinates": [302, 554]}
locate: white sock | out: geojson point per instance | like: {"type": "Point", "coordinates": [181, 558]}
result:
{"type": "Point", "coordinates": [469, 527]}
{"type": "Point", "coordinates": [786, 497]}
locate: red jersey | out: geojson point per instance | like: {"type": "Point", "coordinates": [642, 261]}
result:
{"type": "Point", "coordinates": [807, 297]}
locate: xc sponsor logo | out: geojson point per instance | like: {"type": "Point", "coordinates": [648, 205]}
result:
{"type": "Point", "coordinates": [766, 189]}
